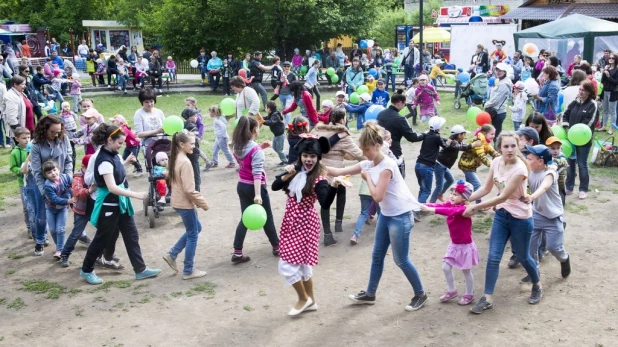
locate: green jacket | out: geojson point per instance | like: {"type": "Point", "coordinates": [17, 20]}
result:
{"type": "Point", "coordinates": [18, 157]}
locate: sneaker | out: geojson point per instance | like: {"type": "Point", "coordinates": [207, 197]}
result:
{"type": "Point", "coordinates": [448, 296]}
{"type": "Point", "coordinates": [209, 165]}
{"type": "Point", "coordinates": [417, 302]}
{"type": "Point", "coordinates": [112, 265]}
{"type": "Point", "coordinates": [64, 261]}
{"type": "Point", "coordinates": [147, 274]}
{"type": "Point", "coordinates": [171, 262]}
{"type": "Point", "coordinates": [239, 258]}
{"type": "Point", "coordinates": [162, 201]}
{"type": "Point", "coordinates": [466, 300]}
{"type": "Point", "coordinates": [91, 277]}
{"type": "Point", "coordinates": [46, 243]}
{"type": "Point", "coordinates": [160, 91]}
{"type": "Point", "coordinates": [85, 240]}
{"type": "Point", "coordinates": [38, 250]}
{"type": "Point", "coordinates": [230, 166]}
{"type": "Point", "coordinates": [57, 255]}
{"type": "Point", "coordinates": [329, 240]}
{"type": "Point", "coordinates": [525, 279]}
{"type": "Point", "coordinates": [138, 174]}
{"type": "Point", "coordinates": [481, 306]}
{"type": "Point", "coordinates": [535, 295]}
{"type": "Point", "coordinates": [565, 268]}
{"type": "Point", "coordinates": [194, 274]}
{"type": "Point", "coordinates": [276, 252]}
{"type": "Point", "coordinates": [363, 298]}
{"type": "Point", "coordinates": [513, 262]}
{"type": "Point", "coordinates": [354, 240]}
{"type": "Point", "coordinates": [582, 195]}
{"type": "Point", "coordinates": [569, 192]}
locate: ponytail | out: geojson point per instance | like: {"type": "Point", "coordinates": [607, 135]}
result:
{"type": "Point", "coordinates": [178, 138]}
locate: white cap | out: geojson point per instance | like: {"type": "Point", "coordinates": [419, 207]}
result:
{"type": "Point", "coordinates": [327, 103]}
{"type": "Point", "coordinates": [438, 61]}
{"type": "Point", "coordinates": [436, 122]}
{"type": "Point", "coordinates": [458, 129]}
{"type": "Point", "coordinates": [520, 85]}
{"type": "Point", "coordinates": [75, 75]}
{"type": "Point", "coordinates": [365, 96]}
{"type": "Point", "coordinates": [502, 66]}
{"type": "Point", "coordinates": [341, 92]}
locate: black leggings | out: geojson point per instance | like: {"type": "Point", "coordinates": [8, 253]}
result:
{"type": "Point", "coordinates": [325, 213]}
{"type": "Point", "coordinates": [246, 194]}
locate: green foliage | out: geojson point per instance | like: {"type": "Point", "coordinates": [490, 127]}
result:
{"type": "Point", "coordinates": [384, 29]}
{"type": "Point", "coordinates": [52, 289]}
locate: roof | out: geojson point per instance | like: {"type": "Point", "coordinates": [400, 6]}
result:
{"type": "Point", "coordinates": [603, 11]}
{"type": "Point", "coordinates": [571, 26]}
{"type": "Point", "coordinates": [549, 12]}
{"type": "Point", "coordinates": [103, 24]}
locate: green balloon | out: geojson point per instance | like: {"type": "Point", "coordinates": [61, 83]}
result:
{"type": "Point", "coordinates": [362, 89]}
{"type": "Point", "coordinates": [579, 134]}
{"type": "Point", "coordinates": [567, 148]}
{"type": "Point", "coordinates": [235, 122]}
{"type": "Point", "coordinates": [354, 98]}
{"type": "Point", "coordinates": [403, 111]}
{"type": "Point", "coordinates": [600, 89]}
{"type": "Point", "coordinates": [330, 71]}
{"type": "Point", "coordinates": [228, 106]}
{"type": "Point", "coordinates": [303, 70]}
{"type": "Point", "coordinates": [334, 78]}
{"type": "Point", "coordinates": [173, 124]}
{"type": "Point", "coordinates": [472, 113]}
{"type": "Point", "coordinates": [254, 217]}
{"type": "Point", "coordinates": [559, 132]}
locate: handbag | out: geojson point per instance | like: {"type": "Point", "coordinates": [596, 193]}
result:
{"type": "Point", "coordinates": [90, 66]}
{"type": "Point", "coordinates": [549, 113]}
{"type": "Point", "coordinates": [605, 154]}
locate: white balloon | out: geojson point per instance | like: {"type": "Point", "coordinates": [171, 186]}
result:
{"type": "Point", "coordinates": [370, 43]}
{"type": "Point", "coordinates": [532, 87]}
{"type": "Point", "coordinates": [193, 63]}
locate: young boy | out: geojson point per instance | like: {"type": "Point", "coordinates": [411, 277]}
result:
{"type": "Point", "coordinates": [390, 77]}
{"type": "Point", "coordinates": [380, 96]}
{"type": "Point", "coordinates": [426, 161]}
{"type": "Point", "coordinates": [191, 103]}
{"type": "Point", "coordinates": [527, 137]}
{"type": "Point", "coordinates": [555, 146]}
{"type": "Point", "coordinates": [227, 74]}
{"type": "Point", "coordinates": [81, 193]}
{"type": "Point", "coordinates": [18, 157]}
{"type": "Point", "coordinates": [547, 210]}
{"type": "Point", "coordinates": [132, 144]}
{"type": "Point", "coordinates": [190, 117]}
{"type": "Point", "coordinates": [274, 121]}
{"type": "Point", "coordinates": [410, 99]}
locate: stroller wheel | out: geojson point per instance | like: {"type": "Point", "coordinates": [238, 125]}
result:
{"type": "Point", "coordinates": [145, 203]}
{"type": "Point", "coordinates": [151, 219]}
{"type": "Point", "coordinates": [457, 104]}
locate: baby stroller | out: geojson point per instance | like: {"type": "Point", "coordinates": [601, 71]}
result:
{"type": "Point", "coordinates": [159, 145]}
{"type": "Point", "coordinates": [475, 91]}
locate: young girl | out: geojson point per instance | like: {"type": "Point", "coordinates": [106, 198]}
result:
{"type": "Point", "coordinates": [461, 252]}
{"type": "Point", "coordinates": [184, 199]}
{"type": "Point", "coordinates": [57, 199]}
{"type": "Point", "coordinates": [69, 119]}
{"type": "Point", "coordinates": [297, 127]}
{"type": "Point", "coordinates": [526, 72]}
{"type": "Point", "coordinates": [84, 136]}
{"type": "Point", "coordinates": [221, 138]}
{"type": "Point", "coordinates": [56, 85]}
{"type": "Point", "coordinates": [520, 99]}
{"type": "Point", "coordinates": [252, 183]}
{"type": "Point", "coordinates": [410, 100]}
{"type": "Point", "coordinates": [425, 96]}
{"type": "Point", "coordinates": [302, 98]}
{"type": "Point", "coordinates": [76, 91]}
{"type": "Point", "coordinates": [170, 65]}
{"type": "Point", "coordinates": [395, 223]}
{"type": "Point", "coordinates": [304, 183]}
{"type": "Point", "coordinates": [473, 158]}
{"type": "Point", "coordinates": [132, 143]}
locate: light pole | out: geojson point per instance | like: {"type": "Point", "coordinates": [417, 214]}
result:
{"type": "Point", "coordinates": [72, 47]}
{"type": "Point", "coordinates": [420, 35]}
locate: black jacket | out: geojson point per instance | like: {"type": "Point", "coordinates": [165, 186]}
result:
{"type": "Point", "coordinates": [584, 113]}
{"type": "Point", "coordinates": [292, 154]}
{"type": "Point", "coordinates": [275, 122]}
{"type": "Point", "coordinates": [482, 60]}
{"type": "Point", "coordinates": [430, 148]}
{"type": "Point", "coordinates": [38, 80]}
{"type": "Point", "coordinates": [448, 155]}
{"type": "Point", "coordinates": [234, 66]}
{"type": "Point", "coordinates": [610, 82]}
{"type": "Point", "coordinates": [398, 126]}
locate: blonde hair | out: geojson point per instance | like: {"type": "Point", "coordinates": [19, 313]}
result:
{"type": "Point", "coordinates": [216, 109]}
{"type": "Point", "coordinates": [513, 135]}
{"type": "Point", "coordinates": [66, 103]}
{"type": "Point", "coordinates": [191, 100]}
{"type": "Point", "coordinates": [371, 135]}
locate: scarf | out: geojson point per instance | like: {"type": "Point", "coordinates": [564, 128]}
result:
{"type": "Point", "coordinates": [297, 184]}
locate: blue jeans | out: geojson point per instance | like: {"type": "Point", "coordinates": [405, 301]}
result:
{"type": "Point", "coordinates": [393, 231]}
{"type": "Point", "coordinates": [286, 100]}
{"type": "Point", "coordinates": [360, 121]}
{"type": "Point", "coordinates": [473, 179]}
{"type": "Point", "coordinates": [581, 161]}
{"type": "Point", "coordinates": [57, 220]}
{"type": "Point", "coordinates": [188, 240]}
{"type": "Point", "coordinates": [444, 179]}
{"type": "Point", "coordinates": [37, 205]}
{"type": "Point", "coordinates": [497, 123]}
{"type": "Point", "coordinates": [221, 144]}
{"type": "Point", "coordinates": [516, 125]}
{"type": "Point", "coordinates": [366, 201]}
{"type": "Point", "coordinates": [122, 82]}
{"type": "Point", "coordinates": [506, 226]}
{"type": "Point", "coordinates": [408, 71]}
{"type": "Point", "coordinates": [390, 77]}
{"type": "Point", "coordinates": [424, 175]}
{"type": "Point", "coordinates": [278, 143]}
{"type": "Point", "coordinates": [79, 225]}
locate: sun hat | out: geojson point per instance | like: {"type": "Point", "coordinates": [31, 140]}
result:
{"type": "Point", "coordinates": [327, 103]}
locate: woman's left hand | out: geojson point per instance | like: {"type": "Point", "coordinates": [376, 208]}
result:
{"type": "Point", "coordinates": [469, 211]}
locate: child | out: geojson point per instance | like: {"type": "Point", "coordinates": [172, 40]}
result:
{"type": "Point", "coordinates": [81, 194]}
{"type": "Point", "coordinates": [57, 199]}
{"type": "Point", "coordinates": [555, 146]}
{"type": "Point", "coordinates": [18, 157]}
{"type": "Point", "coordinates": [411, 99]}
{"type": "Point", "coordinates": [191, 103]}
{"type": "Point", "coordinates": [190, 117]}
{"type": "Point", "coordinates": [371, 84]}
{"type": "Point", "coordinates": [252, 183]}
{"type": "Point", "coordinates": [425, 96]}
{"type": "Point", "coordinates": [84, 136]}
{"type": "Point", "coordinates": [547, 210]}
{"type": "Point", "coordinates": [170, 65]}
{"type": "Point", "coordinates": [380, 96]}
{"type": "Point", "coordinates": [390, 77]}
{"type": "Point", "coordinates": [303, 183]}
{"type": "Point", "coordinates": [160, 175]}
{"type": "Point", "coordinates": [475, 157]}
{"type": "Point", "coordinates": [221, 138]}
{"type": "Point", "coordinates": [461, 252]}
{"type": "Point", "coordinates": [297, 61]}
{"type": "Point", "coordinates": [365, 102]}
{"type": "Point", "coordinates": [327, 107]}
{"type": "Point", "coordinates": [297, 127]}
{"type": "Point", "coordinates": [526, 72]}
{"type": "Point", "coordinates": [76, 92]}
{"type": "Point", "coordinates": [426, 161]}
{"type": "Point", "coordinates": [69, 119]}
{"type": "Point", "coordinates": [274, 121]}
{"type": "Point", "coordinates": [527, 136]}
{"type": "Point", "coordinates": [132, 144]}
{"type": "Point", "coordinates": [56, 84]}
{"type": "Point", "coordinates": [520, 99]}
{"type": "Point", "coordinates": [226, 72]}
{"type": "Point", "coordinates": [101, 66]}
{"type": "Point", "coordinates": [364, 62]}
{"type": "Point", "coordinates": [184, 199]}
{"type": "Point", "coordinates": [122, 75]}
{"type": "Point", "coordinates": [436, 70]}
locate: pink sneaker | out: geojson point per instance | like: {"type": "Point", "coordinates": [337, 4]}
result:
{"type": "Point", "coordinates": [466, 300]}
{"type": "Point", "coordinates": [449, 296]}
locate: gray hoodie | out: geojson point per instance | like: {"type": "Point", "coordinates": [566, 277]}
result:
{"type": "Point", "coordinates": [58, 151]}
{"type": "Point", "coordinates": [500, 95]}
{"type": "Point", "coordinates": [257, 161]}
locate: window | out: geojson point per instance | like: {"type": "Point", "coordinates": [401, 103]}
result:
{"type": "Point", "coordinates": [100, 36]}
{"type": "Point", "coordinates": [118, 38]}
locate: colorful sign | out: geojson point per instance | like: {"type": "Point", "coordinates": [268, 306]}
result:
{"type": "Point", "coordinates": [470, 11]}
{"type": "Point", "coordinates": [17, 28]}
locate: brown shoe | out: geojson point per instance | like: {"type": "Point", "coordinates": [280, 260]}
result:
{"type": "Point", "coordinates": [230, 166]}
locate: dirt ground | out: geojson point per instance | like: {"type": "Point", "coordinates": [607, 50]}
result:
{"type": "Point", "coordinates": [247, 304]}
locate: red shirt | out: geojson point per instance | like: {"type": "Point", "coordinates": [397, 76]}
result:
{"type": "Point", "coordinates": [131, 140]}
{"type": "Point", "coordinates": [29, 114]}
{"type": "Point", "coordinates": [25, 51]}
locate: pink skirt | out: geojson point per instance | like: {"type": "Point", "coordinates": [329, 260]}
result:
{"type": "Point", "coordinates": [462, 256]}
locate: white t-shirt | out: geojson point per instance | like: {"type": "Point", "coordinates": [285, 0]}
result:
{"type": "Point", "coordinates": [398, 199]}
{"type": "Point", "coordinates": [145, 121]}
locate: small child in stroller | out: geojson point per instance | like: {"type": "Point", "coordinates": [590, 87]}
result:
{"type": "Point", "coordinates": [160, 174]}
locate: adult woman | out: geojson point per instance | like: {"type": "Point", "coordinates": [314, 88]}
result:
{"type": "Point", "coordinates": [18, 110]}
{"type": "Point", "coordinates": [583, 110]}
{"type": "Point", "coordinates": [572, 91]}
{"type": "Point", "coordinates": [302, 99]}
{"type": "Point", "coordinates": [609, 80]}
{"type": "Point", "coordinates": [311, 81]}
{"type": "Point", "coordinates": [538, 122]}
{"type": "Point", "coordinates": [344, 148]}
{"type": "Point", "coordinates": [496, 105]}
{"type": "Point", "coordinates": [49, 143]}
{"type": "Point", "coordinates": [113, 209]}
{"type": "Point", "coordinates": [247, 101]}
{"type": "Point", "coordinates": [354, 76]}
{"type": "Point", "coordinates": [585, 67]}
{"type": "Point", "coordinates": [287, 77]}
{"type": "Point", "coordinates": [479, 62]}
{"type": "Point", "coordinates": [31, 93]}
{"type": "Point", "coordinates": [541, 63]}
{"type": "Point", "coordinates": [148, 120]}
{"type": "Point", "coordinates": [547, 100]}
{"type": "Point", "coordinates": [513, 218]}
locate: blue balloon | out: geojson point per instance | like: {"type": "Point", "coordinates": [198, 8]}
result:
{"type": "Point", "coordinates": [560, 98]}
{"type": "Point", "coordinates": [373, 111]}
{"type": "Point", "coordinates": [363, 44]}
{"type": "Point", "coordinates": [464, 77]}
{"type": "Point", "coordinates": [492, 81]}
{"type": "Point", "coordinates": [373, 72]}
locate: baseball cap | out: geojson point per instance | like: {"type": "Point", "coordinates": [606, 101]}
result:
{"type": "Point", "coordinates": [438, 61]}
{"type": "Point", "coordinates": [286, 63]}
{"type": "Point", "coordinates": [542, 152]}
{"type": "Point", "coordinates": [340, 93]}
{"type": "Point", "coordinates": [458, 129]}
{"type": "Point", "coordinates": [327, 103]}
{"type": "Point", "coordinates": [119, 118]}
{"type": "Point", "coordinates": [365, 96]}
{"type": "Point", "coordinates": [381, 81]}
{"type": "Point", "coordinates": [551, 140]}
{"type": "Point", "coordinates": [502, 66]}
{"type": "Point", "coordinates": [188, 112]}
{"type": "Point", "coordinates": [529, 133]}
{"type": "Point", "coordinates": [435, 123]}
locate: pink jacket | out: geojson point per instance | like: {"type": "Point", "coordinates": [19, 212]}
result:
{"type": "Point", "coordinates": [425, 97]}
{"type": "Point", "coordinates": [297, 60]}
{"type": "Point", "coordinates": [76, 87]}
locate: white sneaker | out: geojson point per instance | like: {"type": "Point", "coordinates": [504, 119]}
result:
{"type": "Point", "coordinates": [162, 201]}
{"type": "Point", "coordinates": [582, 195]}
{"type": "Point", "coordinates": [195, 274]}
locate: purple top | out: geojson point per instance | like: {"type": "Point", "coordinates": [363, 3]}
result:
{"type": "Point", "coordinates": [459, 227]}
{"type": "Point", "coordinates": [200, 126]}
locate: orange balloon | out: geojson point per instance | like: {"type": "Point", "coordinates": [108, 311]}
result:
{"type": "Point", "coordinates": [483, 118]}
